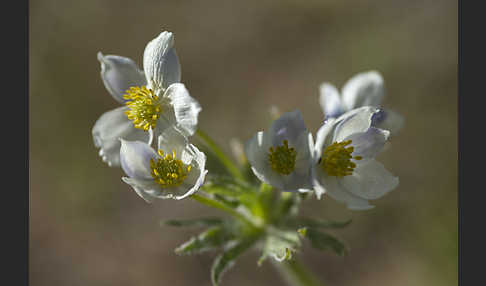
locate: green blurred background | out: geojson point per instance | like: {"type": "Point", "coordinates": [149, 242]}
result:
{"type": "Point", "coordinates": [238, 58]}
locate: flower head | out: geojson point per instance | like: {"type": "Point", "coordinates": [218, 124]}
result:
{"type": "Point", "coordinates": [344, 166]}
{"type": "Point", "coordinates": [175, 171]}
{"type": "Point", "coordinates": [281, 156]}
{"type": "Point", "coordinates": [153, 99]}
{"type": "Point", "coordinates": [363, 89]}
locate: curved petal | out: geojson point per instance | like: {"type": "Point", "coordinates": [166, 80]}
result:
{"type": "Point", "coordinates": [196, 180]}
{"type": "Point", "coordinates": [330, 101]}
{"type": "Point", "coordinates": [186, 108]}
{"type": "Point", "coordinates": [255, 149]}
{"type": "Point", "coordinates": [160, 62]}
{"type": "Point", "coordinates": [370, 180]}
{"type": "Point", "coordinates": [368, 144]}
{"type": "Point", "coordinates": [172, 139]}
{"type": "Point", "coordinates": [289, 126]}
{"type": "Point", "coordinates": [322, 137]}
{"type": "Point", "coordinates": [336, 191]}
{"type": "Point", "coordinates": [354, 121]}
{"type": "Point", "coordinates": [118, 74]}
{"type": "Point", "coordinates": [363, 89]}
{"type": "Point", "coordinates": [135, 159]}
{"type": "Point", "coordinates": [143, 188]}
{"type": "Point", "coordinates": [107, 130]}
{"type": "Point", "coordinates": [388, 120]}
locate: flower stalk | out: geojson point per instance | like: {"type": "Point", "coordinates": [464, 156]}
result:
{"type": "Point", "coordinates": [296, 274]}
{"type": "Point", "coordinates": [230, 166]}
{"type": "Point", "coordinates": [217, 205]}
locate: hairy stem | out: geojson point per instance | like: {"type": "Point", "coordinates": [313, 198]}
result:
{"type": "Point", "coordinates": [296, 274]}
{"type": "Point", "coordinates": [230, 166]}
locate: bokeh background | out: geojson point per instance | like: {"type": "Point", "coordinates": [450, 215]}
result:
{"type": "Point", "coordinates": [239, 58]}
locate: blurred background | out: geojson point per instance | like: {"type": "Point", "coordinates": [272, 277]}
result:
{"type": "Point", "coordinates": [238, 58]}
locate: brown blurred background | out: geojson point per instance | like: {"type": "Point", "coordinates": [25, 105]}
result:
{"type": "Point", "coordinates": [238, 58]}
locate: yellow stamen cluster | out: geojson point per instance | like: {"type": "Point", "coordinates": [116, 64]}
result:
{"type": "Point", "coordinates": [336, 159]}
{"type": "Point", "coordinates": [168, 171]}
{"type": "Point", "coordinates": [144, 107]}
{"type": "Point", "coordinates": [282, 158]}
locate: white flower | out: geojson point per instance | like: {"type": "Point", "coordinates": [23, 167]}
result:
{"type": "Point", "coordinates": [344, 166]}
{"type": "Point", "coordinates": [363, 89]}
{"type": "Point", "coordinates": [176, 171]}
{"type": "Point", "coordinates": [153, 99]}
{"type": "Point", "coordinates": [281, 156]}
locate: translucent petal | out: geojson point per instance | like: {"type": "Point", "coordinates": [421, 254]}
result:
{"type": "Point", "coordinates": [363, 89]}
{"type": "Point", "coordinates": [107, 130]}
{"type": "Point", "coordinates": [160, 62]}
{"type": "Point", "coordinates": [118, 74]}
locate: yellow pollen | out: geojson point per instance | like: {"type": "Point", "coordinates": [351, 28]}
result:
{"type": "Point", "coordinates": [168, 171]}
{"type": "Point", "coordinates": [144, 107]}
{"type": "Point", "coordinates": [336, 159]}
{"type": "Point", "coordinates": [282, 158]}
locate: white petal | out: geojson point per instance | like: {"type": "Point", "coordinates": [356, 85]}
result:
{"type": "Point", "coordinates": [186, 108]}
{"type": "Point", "coordinates": [288, 127]}
{"type": "Point", "coordinates": [255, 150]}
{"type": "Point", "coordinates": [336, 191]}
{"type": "Point", "coordinates": [354, 121]}
{"type": "Point", "coordinates": [172, 139]}
{"type": "Point", "coordinates": [144, 188]}
{"type": "Point", "coordinates": [324, 184]}
{"type": "Point", "coordinates": [330, 101]}
{"type": "Point", "coordinates": [388, 120]}
{"type": "Point", "coordinates": [118, 74]}
{"type": "Point", "coordinates": [135, 159]}
{"type": "Point", "coordinates": [368, 144]}
{"type": "Point", "coordinates": [363, 89]}
{"type": "Point", "coordinates": [166, 121]}
{"type": "Point", "coordinates": [107, 130]}
{"type": "Point", "coordinates": [370, 180]}
{"type": "Point", "coordinates": [196, 178]}
{"type": "Point", "coordinates": [160, 62]}
{"type": "Point", "coordinates": [323, 137]}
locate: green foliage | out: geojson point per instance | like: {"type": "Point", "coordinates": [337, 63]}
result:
{"type": "Point", "coordinates": [226, 260]}
{"type": "Point", "coordinates": [208, 221]}
{"type": "Point", "coordinates": [323, 241]}
{"type": "Point", "coordinates": [210, 239]}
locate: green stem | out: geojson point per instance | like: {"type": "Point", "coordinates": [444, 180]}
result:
{"type": "Point", "coordinates": [296, 274]}
{"type": "Point", "coordinates": [215, 204]}
{"type": "Point", "coordinates": [220, 154]}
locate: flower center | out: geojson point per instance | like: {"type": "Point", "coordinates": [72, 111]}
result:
{"type": "Point", "coordinates": [144, 107]}
{"type": "Point", "coordinates": [336, 159]}
{"type": "Point", "coordinates": [282, 158]}
{"type": "Point", "coordinates": [168, 171]}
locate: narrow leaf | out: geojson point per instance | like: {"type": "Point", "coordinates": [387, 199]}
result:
{"type": "Point", "coordinates": [207, 221]}
{"type": "Point", "coordinates": [210, 239]}
{"type": "Point", "coordinates": [227, 259]}
{"type": "Point", "coordinates": [324, 241]}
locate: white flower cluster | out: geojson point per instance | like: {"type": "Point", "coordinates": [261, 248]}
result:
{"type": "Point", "coordinates": [340, 162]}
{"type": "Point", "coordinates": [155, 105]}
